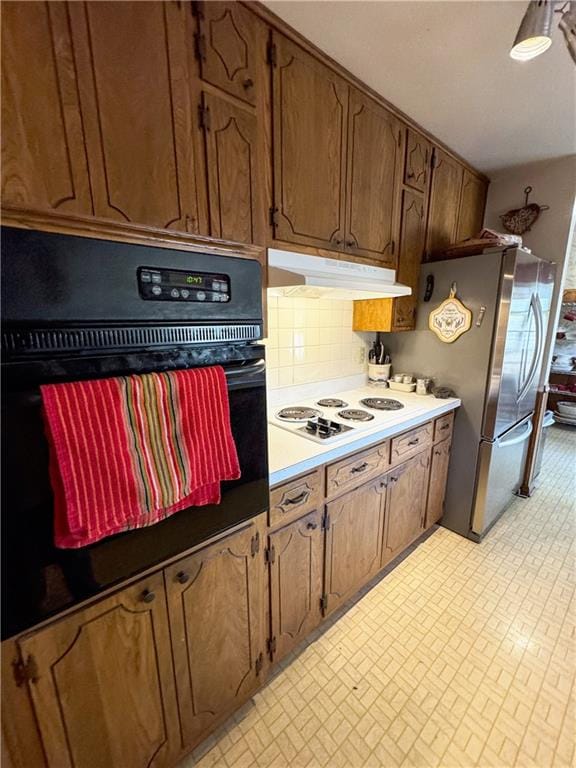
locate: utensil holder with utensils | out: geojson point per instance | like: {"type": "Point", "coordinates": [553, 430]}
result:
{"type": "Point", "coordinates": [379, 372]}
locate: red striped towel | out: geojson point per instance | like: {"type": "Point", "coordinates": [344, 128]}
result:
{"type": "Point", "coordinates": [128, 452]}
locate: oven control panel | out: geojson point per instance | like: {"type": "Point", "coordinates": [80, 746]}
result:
{"type": "Point", "coordinates": [158, 284]}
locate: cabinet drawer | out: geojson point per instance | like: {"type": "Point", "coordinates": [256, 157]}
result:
{"type": "Point", "coordinates": [292, 500]}
{"type": "Point", "coordinates": [443, 427]}
{"type": "Point", "coordinates": [410, 443]}
{"type": "Point", "coordinates": [356, 469]}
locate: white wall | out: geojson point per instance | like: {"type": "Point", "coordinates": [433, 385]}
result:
{"type": "Point", "coordinates": [554, 184]}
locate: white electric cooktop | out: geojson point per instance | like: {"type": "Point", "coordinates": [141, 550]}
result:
{"type": "Point", "coordinates": [329, 418]}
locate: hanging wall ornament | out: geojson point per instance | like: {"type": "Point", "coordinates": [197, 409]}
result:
{"type": "Point", "coordinates": [520, 220]}
{"type": "Point", "coordinates": [451, 319]}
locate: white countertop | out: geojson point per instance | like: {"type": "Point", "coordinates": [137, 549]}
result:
{"type": "Point", "coordinates": [291, 454]}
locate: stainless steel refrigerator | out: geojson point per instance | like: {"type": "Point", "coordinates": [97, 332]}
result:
{"type": "Point", "coordinates": [494, 368]}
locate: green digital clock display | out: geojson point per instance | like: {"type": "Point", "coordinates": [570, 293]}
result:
{"type": "Point", "coordinates": [194, 280]}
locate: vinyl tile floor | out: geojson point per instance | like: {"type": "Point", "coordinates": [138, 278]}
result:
{"type": "Point", "coordinates": [463, 655]}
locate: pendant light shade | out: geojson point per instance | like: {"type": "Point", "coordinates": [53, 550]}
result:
{"type": "Point", "coordinates": [534, 35]}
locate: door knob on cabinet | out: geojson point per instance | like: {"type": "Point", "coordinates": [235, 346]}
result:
{"type": "Point", "coordinates": [148, 596]}
{"type": "Point", "coordinates": [248, 83]}
{"type": "Point", "coordinates": [182, 577]}
{"type": "Point", "coordinates": [350, 244]}
{"type": "Point", "coordinates": [311, 526]}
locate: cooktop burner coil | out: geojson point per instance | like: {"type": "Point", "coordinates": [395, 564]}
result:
{"type": "Point", "coordinates": [382, 403]}
{"type": "Point", "coordinates": [355, 414]}
{"type": "Point", "coordinates": [298, 413]}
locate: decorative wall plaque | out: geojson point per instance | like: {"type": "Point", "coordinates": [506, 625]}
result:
{"type": "Point", "coordinates": [451, 319]}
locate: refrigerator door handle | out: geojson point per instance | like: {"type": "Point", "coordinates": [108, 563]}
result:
{"type": "Point", "coordinates": [536, 308]}
{"type": "Point", "coordinates": [515, 440]}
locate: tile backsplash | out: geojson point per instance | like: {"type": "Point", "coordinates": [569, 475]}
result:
{"type": "Point", "coordinates": [312, 340]}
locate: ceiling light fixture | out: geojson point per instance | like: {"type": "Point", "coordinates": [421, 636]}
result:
{"type": "Point", "coordinates": [535, 32]}
{"type": "Point", "coordinates": [533, 37]}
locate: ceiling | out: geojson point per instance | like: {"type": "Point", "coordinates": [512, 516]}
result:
{"type": "Point", "coordinates": [446, 65]}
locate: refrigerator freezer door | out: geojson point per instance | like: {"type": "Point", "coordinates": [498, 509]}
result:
{"type": "Point", "coordinates": [500, 470]}
{"type": "Point", "coordinates": [519, 338]}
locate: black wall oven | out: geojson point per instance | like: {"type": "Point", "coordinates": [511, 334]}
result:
{"type": "Point", "coordinates": [76, 308]}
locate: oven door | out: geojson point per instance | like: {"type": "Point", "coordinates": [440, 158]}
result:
{"type": "Point", "coordinates": [40, 580]}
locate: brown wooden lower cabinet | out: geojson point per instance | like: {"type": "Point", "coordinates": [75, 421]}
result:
{"type": "Point", "coordinates": [405, 504]}
{"type": "Point", "coordinates": [102, 684]}
{"type": "Point", "coordinates": [353, 542]}
{"type": "Point", "coordinates": [296, 555]}
{"type": "Point", "coordinates": [139, 678]}
{"type": "Point", "coordinates": [216, 601]}
{"type": "Point", "coordinates": [437, 485]}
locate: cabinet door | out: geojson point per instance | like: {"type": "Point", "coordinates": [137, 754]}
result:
{"type": "Point", "coordinates": [135, 102]}
{"type": "Point", "coordinates": [103, 687]}
{"type": "Point", "coordinates": [412, 241]}
{"type": "Point", "coordinates": [233, 172]}
{"type": "Point", "coordinates": [310, 104]}
{"type": "Point", "coordinates": [373, 179]}
{"type": "Point", "coordinates": [417, 165]}
{"type": "Point", "coordinates": [437, 484]}
{"type": "Point", "coordinates": [472, 202]}
{"type": "Point", "coordinates": [226, 48]}
{"type": "Point", "coordinates": [445, 191]}
{"type": "Point", "coordinates": [216, 601]}
{"type": "Point", "coordinates": [43, 146]}
{"type": "Point", "coordinates": [353, 541]}
{"type": "Point", "coordinates": [405, 504]}
{"type": "Point", "coordinates": [295, 582]}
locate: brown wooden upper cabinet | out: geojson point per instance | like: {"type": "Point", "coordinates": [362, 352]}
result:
{"type": "Point", "coordinates": [310, 107]}
{"type": "Point", "coordinates": [417, 164]}
{"type": "Point", "coordinates": [233, 171]}
{"type": "Point", "coordinates": [102, 684]}
{"type": "Point", "coordinates": [412, 241]}
{"type": "Point", "coordinates": [131, 59]}
{"type": "Point", "coordinates": [226, 47]}
{"type": "Point", "coordinates": [445, 189]}
{"type": "Point", "coordinates": [399, 314]}
{"type": "Point", "coordinates": [373, 171]}
{"type": "Point", "coordinates": [337, 160]}
{"type": "Point", "coordinates": [44, 162]}
{"type": "Point", "coordinates": [472, 203]}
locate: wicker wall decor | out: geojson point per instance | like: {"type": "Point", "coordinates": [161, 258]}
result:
{"type": "Point", "coordinates": [520, 220]}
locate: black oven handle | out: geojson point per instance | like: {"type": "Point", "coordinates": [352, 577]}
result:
{"type": "Point", "coordinates": [250, 369]}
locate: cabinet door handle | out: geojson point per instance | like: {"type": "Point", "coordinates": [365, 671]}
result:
{"type": "Point", "coordinates": [311, 526]}
{"type": "Point", "coordinates": [437, 453]}
{"type": "Point", "coordinates": [393, 479]}
{"type": "Point", "coordinates": [300, 499]}
{"type": "Point", "coordinates": [445, 426]}
{"type": "Point", "coordinates": [359, 468]}
{"type": "Point", "coordinates": [248, 83]}
{"type": "Point", "coordinates": [414, 442]}
{"type": "Point", "coordinates": [350, 243]}
{"type": "Point", "coordinates": [148, 596]}
{"type": "Point", "coordinates": [383, 484]}
{"type": "Point", "coordinates": [182, 577]}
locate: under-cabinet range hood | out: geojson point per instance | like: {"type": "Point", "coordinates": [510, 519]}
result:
{"type": "Point", "coordinates": [300, 275]}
